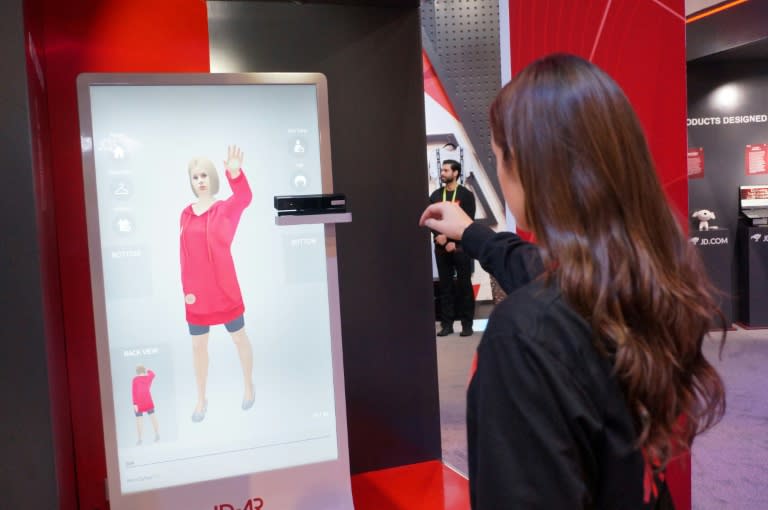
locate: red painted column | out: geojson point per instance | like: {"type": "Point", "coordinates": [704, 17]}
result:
{"type": "Point", "coordinates": [70, 38]}
{"type": "Point", "coordinates": [641, 44]}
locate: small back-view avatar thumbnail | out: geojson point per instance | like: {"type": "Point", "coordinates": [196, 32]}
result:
{"type": "Point", "coordinates": [141, 390]}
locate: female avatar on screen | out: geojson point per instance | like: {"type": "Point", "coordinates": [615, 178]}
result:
{"type": "Point", "coordinates": [211, 290]}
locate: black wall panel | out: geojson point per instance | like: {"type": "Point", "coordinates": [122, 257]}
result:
{"type": "Point", "coordinates": [372, 59]}
{"type": "Point", "coordinates": [27, 474]}
{"type": "Point", "coordinates": [718, 93]}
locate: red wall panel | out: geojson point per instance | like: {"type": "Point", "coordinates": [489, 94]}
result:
{"type": "Point", "coordinates": [46, 228]}
{"type": "Point", "coordinates": [96, 36]}
{"type": "Point", "coordinates": [538, 28]}
{"type": "Point", "coordinates": [641, 44]}
{"type": "Point", "coordinates": [643, 47]}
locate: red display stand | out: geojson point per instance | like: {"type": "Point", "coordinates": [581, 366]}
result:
{"type": "Point", "coordinates": [426, 486]}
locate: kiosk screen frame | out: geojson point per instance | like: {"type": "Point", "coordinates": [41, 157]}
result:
{"type": "Point", "coordinates": [147, 141]}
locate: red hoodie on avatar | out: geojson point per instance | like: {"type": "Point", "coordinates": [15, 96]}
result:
{"type": "Point", "coordinates": [211, 291]}
{"type": "Point", "coordinates": [142, 398]}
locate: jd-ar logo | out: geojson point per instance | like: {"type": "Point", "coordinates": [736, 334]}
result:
{"type": "Point", "coordinates": [250, 504]}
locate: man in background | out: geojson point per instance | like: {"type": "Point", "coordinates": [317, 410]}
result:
{"type": "Point", "coordinates": [457, 301]}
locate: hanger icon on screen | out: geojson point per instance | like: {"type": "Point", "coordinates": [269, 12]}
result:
{"type": "Point", "coordinates": [121, 189]}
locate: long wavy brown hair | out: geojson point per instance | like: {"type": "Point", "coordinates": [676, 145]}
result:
{"type": "Point", "coordinates": [612, 243]}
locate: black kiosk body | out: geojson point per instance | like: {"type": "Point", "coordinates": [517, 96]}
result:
{"type": "Point", "coordinates": [752, 253]}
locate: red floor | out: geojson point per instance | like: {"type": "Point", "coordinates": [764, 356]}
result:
{"type": "Point", "coordinates": [425, 486]}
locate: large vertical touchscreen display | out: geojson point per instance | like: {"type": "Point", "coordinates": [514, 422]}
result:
{"type": "Point", "coordinates": [215, 321]}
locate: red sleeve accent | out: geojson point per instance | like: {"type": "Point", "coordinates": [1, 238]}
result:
{"type": "Point", "coordinates": [472, 368]}
{"type": "Point", "coordinates": [650, 488]}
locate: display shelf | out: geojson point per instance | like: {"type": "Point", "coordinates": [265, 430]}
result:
{"type": "Point", "coordinates": [313, 219]}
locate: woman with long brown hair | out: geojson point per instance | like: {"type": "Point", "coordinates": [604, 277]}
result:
{"type": "Point", "coordinates": [590, 375]}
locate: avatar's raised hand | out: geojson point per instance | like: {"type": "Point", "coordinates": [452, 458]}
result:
{"type": "Point", "coordinates": [234, 161]}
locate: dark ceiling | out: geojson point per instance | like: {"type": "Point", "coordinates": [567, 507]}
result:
{"type": "Point", "coordinates": [737, 33]}
{"type": "Point", "coordinates": [757, 50]}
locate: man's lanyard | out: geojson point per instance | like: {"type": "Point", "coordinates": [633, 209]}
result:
{"type": "Point", "coordinates": [453, 199]}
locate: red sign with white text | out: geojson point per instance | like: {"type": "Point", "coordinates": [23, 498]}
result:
{"type": "Point", "coordinates": [695, 162]}
{"type": "Point", "coordinates": [756, 159]}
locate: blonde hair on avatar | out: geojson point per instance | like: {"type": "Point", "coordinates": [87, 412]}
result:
{"type": "Point", "coordinates": [207, 166]}
{"type": "Point", "coordinates": [140, 369]}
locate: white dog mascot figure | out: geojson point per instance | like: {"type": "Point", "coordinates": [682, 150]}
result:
{"type": "Point", "coordinates": [704, 216]}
